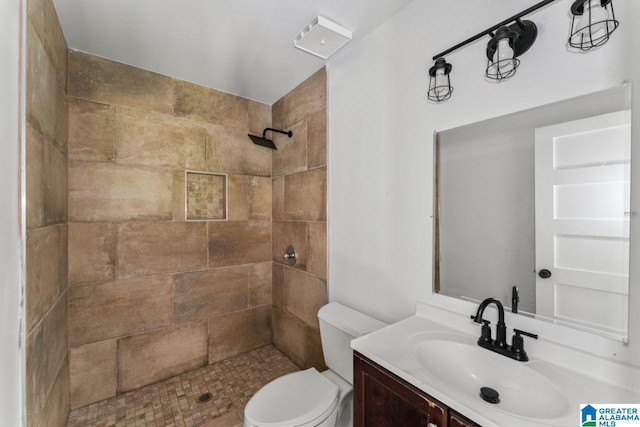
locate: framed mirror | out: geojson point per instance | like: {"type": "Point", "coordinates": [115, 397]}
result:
{"type": "Point", "coordinates": [532, 208]}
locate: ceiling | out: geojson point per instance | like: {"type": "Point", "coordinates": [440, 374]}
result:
{"type": "Point", "coordinates": [243, 47]}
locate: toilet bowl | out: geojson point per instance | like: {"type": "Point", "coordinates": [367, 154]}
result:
{"type": "Point", "coordinates": [310, 398]}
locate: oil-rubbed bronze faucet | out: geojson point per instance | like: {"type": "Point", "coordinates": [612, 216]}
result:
{"type": "Point", "coordinates": [499, 345]}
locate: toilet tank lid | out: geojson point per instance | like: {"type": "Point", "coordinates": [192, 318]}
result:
{"type": "Point", "coordinates": [349, 320]}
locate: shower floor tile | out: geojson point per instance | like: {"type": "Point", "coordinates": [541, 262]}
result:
{"type": "Point", "coordinates": [173, 402]}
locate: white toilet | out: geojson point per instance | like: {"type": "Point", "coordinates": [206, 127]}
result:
{"type": "Point", "coordinates": [310, 398]}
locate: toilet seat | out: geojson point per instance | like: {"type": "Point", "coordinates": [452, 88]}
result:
{"type": "Point", "coordinates": [303, 398]}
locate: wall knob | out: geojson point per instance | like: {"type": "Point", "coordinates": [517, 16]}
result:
{"type": "Point", "coordinates": [290, 255]}
{"type": "Point", "coordinates": [544, 273]}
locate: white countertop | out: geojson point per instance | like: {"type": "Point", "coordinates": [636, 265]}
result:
{"type": "Point", "coordinates": [394, 348]}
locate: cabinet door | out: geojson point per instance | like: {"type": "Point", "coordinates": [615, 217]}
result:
{"type": "Point", "coordinates": [457, 420]}
{"type": "Point", "coordinates": [381, 399]}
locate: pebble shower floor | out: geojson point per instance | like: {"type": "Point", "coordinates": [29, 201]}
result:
{"type": "Point", "coordinates": [173, 402]}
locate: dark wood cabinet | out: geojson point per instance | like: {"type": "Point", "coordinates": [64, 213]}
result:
{"type": "Point", "coordinates": [382, 399]}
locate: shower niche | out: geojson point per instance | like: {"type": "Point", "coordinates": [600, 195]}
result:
{"type": "Point", "coordinates": [205, 196]}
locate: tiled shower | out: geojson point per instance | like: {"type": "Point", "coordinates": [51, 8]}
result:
{"type": "Point", "coordinates": [126, 284]}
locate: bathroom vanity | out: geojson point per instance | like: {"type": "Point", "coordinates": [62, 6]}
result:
{"type": "Point", "coordinates": [428, 370]}
{"type": "Point", "coordinates": [381, 398]}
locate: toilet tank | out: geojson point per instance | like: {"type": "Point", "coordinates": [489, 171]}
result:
{"type": "Point", "coordinates": [338, 326]}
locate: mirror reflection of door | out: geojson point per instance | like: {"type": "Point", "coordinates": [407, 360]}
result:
{"type": "Point", "coordinates": [582, 171]}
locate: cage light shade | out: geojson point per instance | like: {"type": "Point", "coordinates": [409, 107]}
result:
{"type": "Point", "coordinates": [592, 23]}
{"type": "Point", "coordinates": [502, 60]}
{"type": "Point", "coordinates": [439, 81]}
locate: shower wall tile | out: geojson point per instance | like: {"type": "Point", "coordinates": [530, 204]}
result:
{"type": "Point", "coordinates": [260, 283]}
{"type": "Point", "coordinates": [211, 106]}
{"type": "Point", "coordinates": [46, 100]}
{"type": "Point", "coordinates": [317, 258]}
{"type": "Point", "coordinates": [238, 198]}
{"type": "Point", "coordinates": [307, 98]}
{"type": "Point", "coordinates": [239, 332]}
{"type": "Point", "coordinates": [231, 151]}
{"type": "Point", "coordinates": [152, 139]}
{"type": "Point", "coordinates": [114, 309]}
{"type": "Point", "coordinates": [299, 194]}
{"type": "Point", "coordinates": [287, 233]}
{"type": "Point", "coordinates": [92, 373]}
{"type": "Point", "coordinates": [317, 140]}
{"type": "Point", "coordinates": [54, 174]}
{"type": "Point", "coordinates": [108, 82]}
{"type": "Point", "coordinates": [204, 294]}
{"type": "Point", "coordinates": [46, 296]}
{"type": "Point", "coordinates": [161, 247]}
{"type": "Point", "coordinates": [34, 178]}
{"type": "Point", "coordinates": [305, 196]}
{"type": "Point", "coordinates": [154, 356]}
{"type": "Point", "coordinates": [289, 336]}
{"type": "Point", "coordinates": [239, 242]}
{"type": "Point", "coordinates": [259, 117]}
{"type": "Point", "coordinates": [56, 408]}
{"type": "Point", "coordinates": [92, 252]}
{"type": "Point", "coordinates": [291, 156]}
{"type": "Point", "coordinates": [277, 198]}
{"type": "Point", "coordinates": [259, 197]}
{"type": "Point", "coordinates": [278, 290]}
{"type": "Point", "coordinates": [46, 265]}
{"type": "Point", "coordinates": [92, 131]}
{"type": "Point", "coordinates": [110, 192]}
{"type": "Point", "coordinates": [304, 295]}
{"type": "Point", "coordinates": [179, 208]}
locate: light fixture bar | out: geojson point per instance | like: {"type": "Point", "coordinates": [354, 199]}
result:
{"type": "Point", "coordinates": [489, 31]}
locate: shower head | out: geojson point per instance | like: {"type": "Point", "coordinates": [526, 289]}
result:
{"type": "Point", "coordinates": [263, 141]}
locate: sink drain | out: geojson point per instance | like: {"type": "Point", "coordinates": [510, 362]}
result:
{"type": "Point", "coordinates": [489, 395]}
{"type": "Point", "coordinates": [204, 397]}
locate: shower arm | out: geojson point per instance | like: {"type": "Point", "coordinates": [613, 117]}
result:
{"type": "Point", "coordinates": [264, 132]}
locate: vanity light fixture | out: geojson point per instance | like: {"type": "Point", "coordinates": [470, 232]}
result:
{"type": "Point", "coordinates": [439, 81]}
{"type": "Point", "coordinates": [592, 23]}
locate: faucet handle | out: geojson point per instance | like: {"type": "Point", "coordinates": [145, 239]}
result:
{"type": "Point", "coordinates": [518, 332]}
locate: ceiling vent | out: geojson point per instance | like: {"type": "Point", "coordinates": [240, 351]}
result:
{"type": "Point", "coordinates": [322, 37]}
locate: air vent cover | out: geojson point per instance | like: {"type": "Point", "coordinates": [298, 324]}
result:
{"type": "Point", "coordinates": [322, 37]}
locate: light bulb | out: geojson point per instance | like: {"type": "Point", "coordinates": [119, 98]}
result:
{"type": "Point", "coordinates": [503, 58]}
{"type": "Point", "coordinates": [593, 21]}
{"type": "Point", "coordinates": [442, 83]}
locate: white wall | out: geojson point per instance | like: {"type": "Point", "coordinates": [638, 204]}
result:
{"type": "Point", "coordinates": [381, 128]}
{"type": "Point", "coordinates": [11, 351]}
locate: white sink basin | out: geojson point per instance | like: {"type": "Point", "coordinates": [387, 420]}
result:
{"type": "Point", "coordinates": [526, 388]}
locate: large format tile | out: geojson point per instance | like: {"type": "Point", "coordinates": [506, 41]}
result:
{"type": "Point", "coordinates": [152, 139]}
{"type": "Point", "coordinates": [260, 282]}
{"type": "Point", "coordinates": [154, 356]}
{"type": "Point", "coordinates": [277, 198]}
{"type": "Point", "coordinates": [307, 98]}
{"type": "Point", "coordinates": [317, 257]}
{"type": "Point", "coordinates": [297, 340]}
{"type": "Point", "coordinates": [92, 252]}
{"type": "Point", "coordinates": [92, 131]}
{"type": "Point", "coordinates": [239, 332]}
{"type": "Point", "coordinates": [231, 151]}
{"type": "Point", "coordinates": [241, 242]}
{"type": "Point", "coordinates": [278, 290]}
{"type": "Point", "coordinates": [291, 156]}
{"type": "Point", "coordinates": [45, 265]}
{"type": "Point", "coordinates": [55, 178]}
{"type": "Point", "coordinates": [109, 82]}
{"type": "Point", "coordinates": [292, 233]}
{"type": "Point", "coordinates": [109, 192]}
{"type": "Point", "coordinates": [93, 373]}
{"type": "Point", "coordinates": [55, 43]}
{"type": "Point", "coordinates": [204, 294]}
{"type": "Point", "coordinates": [317, 140]}
{"type": "Point", "coordinates": [34, 178]}
{"type": "Point", "coordinates": [259, 117]}
{"type": "Point", "coordinates": [56, 408]}
{"type": "Point", "coordinates": [304, 295]}
{"type": "Point", "coordinates": [259, 197]}
{"type": "Point", "coordinates": [305, 196]}
{"type": "Point", "coordinates": [161, 247]}
{"type": "Point", "coordinates": [114, 309]}
{"type": "Point", "coordinates": [211, 106]}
